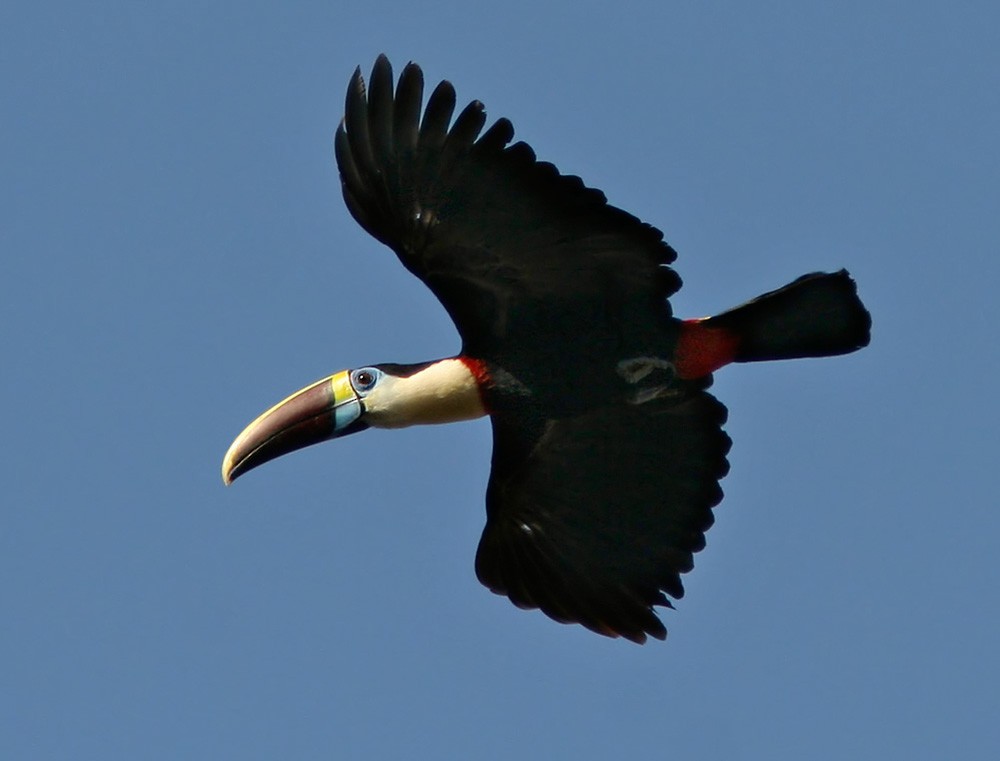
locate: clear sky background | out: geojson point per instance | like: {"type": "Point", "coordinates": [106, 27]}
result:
{"type": "Point", "coordinates": [175, 256]}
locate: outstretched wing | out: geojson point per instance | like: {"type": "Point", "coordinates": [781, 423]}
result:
{"type": "Point", "coordinates": [516, 252]}
{"type": "Point", "coordinates": [593, 518]}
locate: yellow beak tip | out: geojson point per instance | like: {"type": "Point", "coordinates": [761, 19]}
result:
{"type": "Point", "coordinates": [227, 469]}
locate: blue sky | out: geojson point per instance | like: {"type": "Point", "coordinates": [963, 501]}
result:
{"type": "Point", "coordinates": [176, 257]}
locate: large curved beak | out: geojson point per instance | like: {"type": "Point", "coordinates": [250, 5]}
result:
{"type": "Point", "coordinates": [325, 410]}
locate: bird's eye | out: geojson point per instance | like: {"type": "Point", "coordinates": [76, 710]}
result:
{"type": "Point", "coordinates": [365, 379]}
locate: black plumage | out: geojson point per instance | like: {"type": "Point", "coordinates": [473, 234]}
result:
{"type": "Point", "coordinates": [552, 288]}
{"type": "Point", "coordinates": [607, 447]}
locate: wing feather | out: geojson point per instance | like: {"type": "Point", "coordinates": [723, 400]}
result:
{"type": "Point", "coordinates": [359, 138]}
{"type": "Point", "coordinates": [380, 107]}
{"type": "Point", "coordinates": [599, 515]}
{"type": "Point", "coordinates": [406, 114]}
{"type": "Point", "coordinates": [517, 253]}
{"type": "Point", "coordinates": [437, 116]}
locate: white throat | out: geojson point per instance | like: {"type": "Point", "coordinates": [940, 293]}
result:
{"type": "Point", "coordinates": [443, 392]}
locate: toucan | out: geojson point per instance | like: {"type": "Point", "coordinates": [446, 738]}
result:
{"type": "Point", "coordinates": [607, 447]}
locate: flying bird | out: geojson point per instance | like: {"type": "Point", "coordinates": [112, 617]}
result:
{"type": "Point", "coordinates": [607, 447]}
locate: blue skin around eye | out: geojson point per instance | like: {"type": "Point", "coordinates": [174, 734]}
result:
{"type": "Point", "coordinates": [347, 412]}
{"type": "Point", "coordinates": [360, 388]}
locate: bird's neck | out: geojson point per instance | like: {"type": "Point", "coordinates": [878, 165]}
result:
{"type": "Point", "coordinates": [445, 391]}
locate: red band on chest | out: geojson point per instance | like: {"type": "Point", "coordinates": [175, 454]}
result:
{"type": "Point", "coordinates": [482, 375]}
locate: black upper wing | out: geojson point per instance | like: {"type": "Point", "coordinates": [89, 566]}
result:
{"type": "Point", "coordinates": [592, 512]}
{"type": "Point", "coordinates": [518, 254]}
{"type": "Point", "coordinates": [592, 518]}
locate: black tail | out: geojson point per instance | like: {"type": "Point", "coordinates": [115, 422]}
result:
{"type": "Point", "coordinates": [818, 315]}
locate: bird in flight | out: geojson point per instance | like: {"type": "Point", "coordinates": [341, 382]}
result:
{"type": "Point", "coordinates": [607, 447]}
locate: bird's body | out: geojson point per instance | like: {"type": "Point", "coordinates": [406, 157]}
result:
{"type": "Point", "coordinates": [607, 448]}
